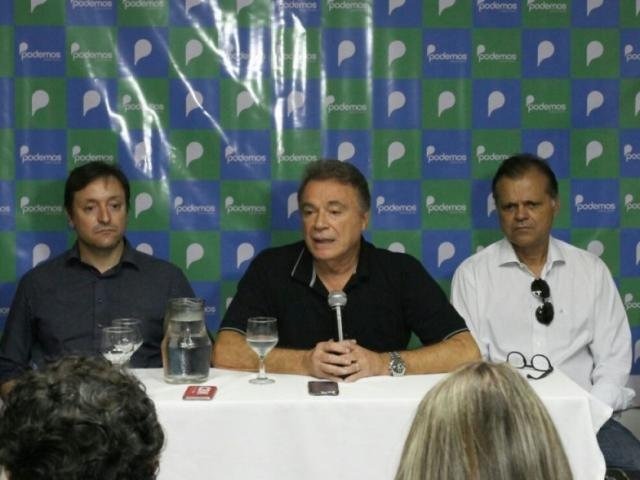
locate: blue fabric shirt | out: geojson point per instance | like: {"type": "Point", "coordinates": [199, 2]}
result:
{"type": "Point", "coordinates": [61, 305]}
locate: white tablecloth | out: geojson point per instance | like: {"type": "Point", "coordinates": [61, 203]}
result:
{"type": "Point", "coordinates": [279, 432]}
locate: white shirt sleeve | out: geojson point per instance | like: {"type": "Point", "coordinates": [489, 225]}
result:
{"type": "Point", "coordinates": [611, 345]}
{"type": "Point", "coordinates": [463, 298]}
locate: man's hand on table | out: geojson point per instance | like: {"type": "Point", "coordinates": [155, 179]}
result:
{"type": "Point", "coordinates": [344, 361]}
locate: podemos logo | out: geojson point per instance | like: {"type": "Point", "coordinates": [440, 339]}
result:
{"type": "Point", "coordinates": [534, 6]}
{"type": "Point", "coordinates": [332, 106]}
{"type": "Point", "coordinates": [236, 57]}
{"type": "Point", "coordinates": [347, 5]}
{"type": "Point", "coordinates": [483, 156]}
{"type": "Point", "coordinates": [532, 106]}
{"type": "Point", "coordinates": [433, 207]}
{"type": "Point", "coordinates": [484, 56]}
{"type": "Point", "coordinates": [593, 206]}
{"type": "Point", "coordinates": [440, 157]}
{"type": "Point", "coordinates": [180, 207]}
{"type": "Point", "coordinates": [232, 156]}
{"type": "Point", "coordinates": [630, 303]}
{"type": "Point", "coordinates": [26, 54]}
{"type": "Point", "coordinates": [283, 157]}
{"type": "Point", "coordinates": [231, 207]}
{"type": "Point", "coordinates": [433, 55]}
{"type": "Point", "coordinates": [496, 6]}
{"type": "Point", "coordinates": [79, 157]}
{"type": "Point", "coordinates": [78, 54]}
{"type": "Point", "coordinates": [26, 156]}
{"type": "Point", "coordinates": [383, 207]}
{"type": "Point", "coordinates": [630, 55]}
{"type": "Point", "coordinates": [91, 4]}
{"type": "Point", "coordinates": [130, 106]}
{"type": "Point", "coordinates": [629, 204]}
{"type": "Point", "coordinates": [142, 4]}
{"type": "Point", "coordinates": [297, 5]}
{"type": "Point", "coordinates": [27, 208]}
{"type": "Point", "coordinates": [629, 154]}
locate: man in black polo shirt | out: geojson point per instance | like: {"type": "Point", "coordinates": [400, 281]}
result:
{"type": "Point", "coordinates": [389, 295]}
{"type": "Point", "coordinates": [61, 305]}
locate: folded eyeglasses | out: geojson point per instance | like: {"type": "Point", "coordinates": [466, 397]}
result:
{"type": "Point", "coordinates": [538, 362]}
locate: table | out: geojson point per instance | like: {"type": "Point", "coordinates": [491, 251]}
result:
{"type": "Point", "coordinates": [278, 431]}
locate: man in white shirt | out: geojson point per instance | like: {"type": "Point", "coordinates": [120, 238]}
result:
{"type": "Point", "coordinates": [535, 294]}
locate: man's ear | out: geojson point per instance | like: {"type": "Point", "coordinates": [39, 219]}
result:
{"type": "Point", "coordinates": [556, 205]}
{"type": "Point", "coordinates": [365, 220]}
{"type": "Point", "coordinates": [70, 221]}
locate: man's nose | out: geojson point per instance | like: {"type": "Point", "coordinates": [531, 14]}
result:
{"type": "Point", "coordinates": [104, 215]}
{"type": "Point", "coordinates": [320, 220]}
{"type": "Point", "coordinates": [521, 212]}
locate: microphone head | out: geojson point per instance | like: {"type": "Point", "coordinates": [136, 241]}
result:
{"type": "Point", "coordinates": [337, 299]}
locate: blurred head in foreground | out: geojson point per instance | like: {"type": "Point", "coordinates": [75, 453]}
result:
{"type": "Point", "coordinates": [483, 422]}
{"type": "Point", "coordinates": [77, 419]}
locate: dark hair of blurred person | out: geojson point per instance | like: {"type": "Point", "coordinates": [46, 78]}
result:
{"type": "Point", "coordinates": [483, 422]}
{"type": "Point", "coordinates": [79, 418]}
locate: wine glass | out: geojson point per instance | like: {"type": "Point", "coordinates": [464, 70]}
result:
{"type": "Point", "coordinates": [136, 325]}
{"type": "Point", "coordinates": [262, 336]}
{"type": "Point", "coordinates": [117, 344]}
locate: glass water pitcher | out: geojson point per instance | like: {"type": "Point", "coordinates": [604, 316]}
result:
{"type": "Point", "coordinates": [186, 347]}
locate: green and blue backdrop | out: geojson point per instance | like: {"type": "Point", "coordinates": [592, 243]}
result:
{"type": "Point", "coordinates": [213, 108]}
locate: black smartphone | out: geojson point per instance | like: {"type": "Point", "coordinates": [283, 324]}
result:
{"type": "Point", "coordinates": [321, 387]}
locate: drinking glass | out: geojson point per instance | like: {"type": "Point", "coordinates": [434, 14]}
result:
{"type": "Point", "coordinates": [262, 336]}
{"type": "Point", "coordinates": [117, 344]}
{"type": "Point", "coordinates": [136, 326]}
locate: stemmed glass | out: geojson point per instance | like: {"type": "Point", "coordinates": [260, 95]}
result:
{"type": "Point", "coordinates": [117, 344]}
{"type": "Point", "coordinates": [136, 325]}
{"type": "Point", "coordinates": [262, 336]}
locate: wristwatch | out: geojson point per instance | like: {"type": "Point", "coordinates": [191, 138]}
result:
{"type": "Point", "coordinates": [397, 367]}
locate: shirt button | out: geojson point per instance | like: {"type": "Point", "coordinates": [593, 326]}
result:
{"type": "Point", "coordinates": [99, 300]}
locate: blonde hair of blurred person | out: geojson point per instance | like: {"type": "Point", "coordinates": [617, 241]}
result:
{"type": "Point", "coordinates": [483, 422]}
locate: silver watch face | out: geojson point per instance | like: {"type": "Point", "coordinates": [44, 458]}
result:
{"type": "Point", "coordinates": [397, 369]}
{"type": "Point", "coordinates": [397, 365]}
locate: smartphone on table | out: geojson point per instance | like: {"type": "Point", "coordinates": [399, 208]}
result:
{"type": "Point", "coordinates": [322, 388]}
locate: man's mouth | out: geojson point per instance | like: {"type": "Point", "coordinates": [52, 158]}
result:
{"type": "Point", "coordinates": [322, 241]}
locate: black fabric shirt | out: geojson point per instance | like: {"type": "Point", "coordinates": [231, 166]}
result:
{"type": "Point", "coordinates": [61, 305]}
{"type": "Point", "coordinates": [389, 296]}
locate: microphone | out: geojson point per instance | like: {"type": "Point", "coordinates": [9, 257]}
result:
{"type": "Point", "coordinates": [337, 300]}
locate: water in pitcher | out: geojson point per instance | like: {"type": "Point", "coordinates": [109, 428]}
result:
{"type": "Point", "coordinates": [187, 353]}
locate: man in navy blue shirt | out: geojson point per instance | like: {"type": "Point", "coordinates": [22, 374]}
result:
{"type": "Point", "coordinates": [62, 304]}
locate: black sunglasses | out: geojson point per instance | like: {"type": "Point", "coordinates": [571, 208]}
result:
{"type": "Point", "coordinates": [544, 313]}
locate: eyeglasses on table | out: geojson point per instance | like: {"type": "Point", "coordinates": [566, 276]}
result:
{"type": "Point", "coordinates": [538, 362]}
